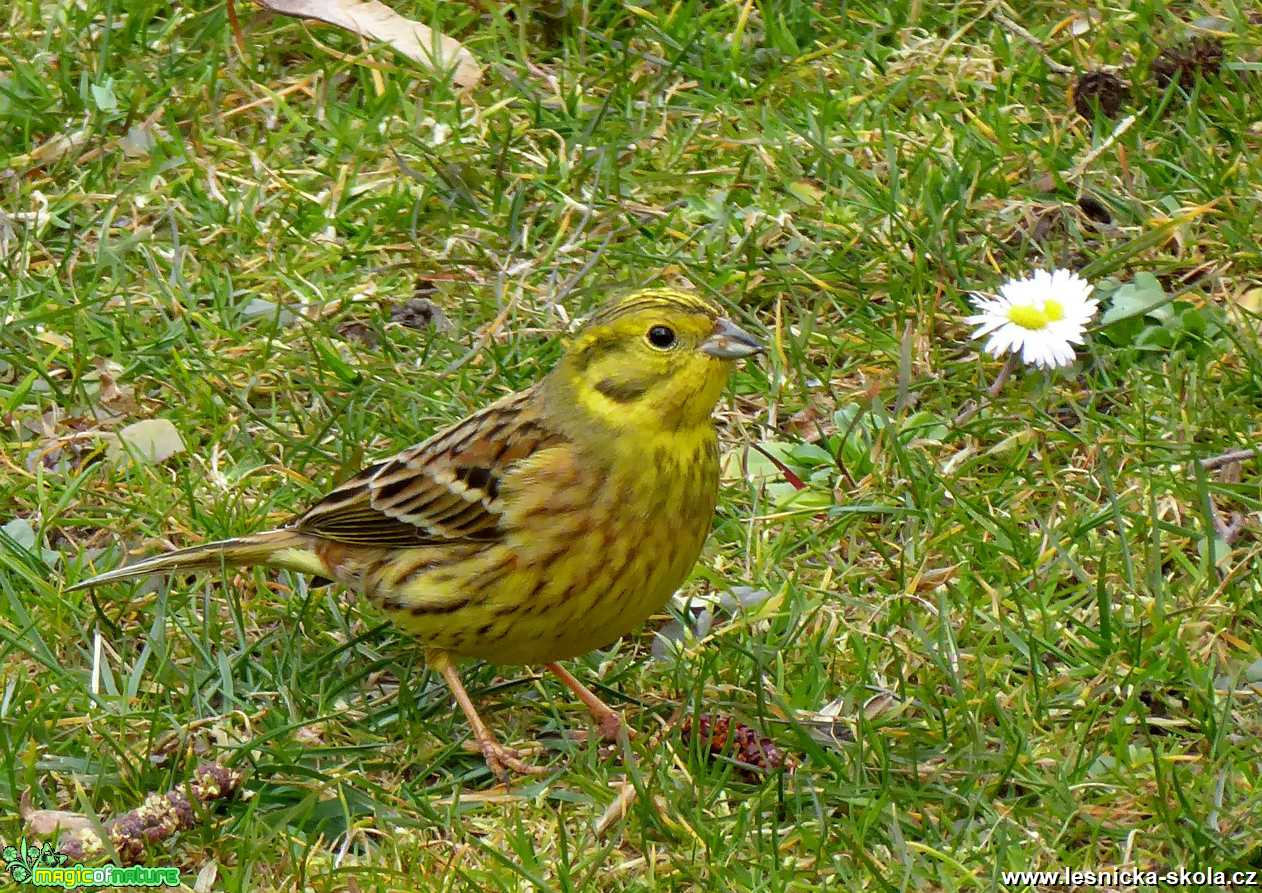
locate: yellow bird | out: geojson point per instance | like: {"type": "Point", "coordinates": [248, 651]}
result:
{"type": "Point", "coordinates": [548, 524]}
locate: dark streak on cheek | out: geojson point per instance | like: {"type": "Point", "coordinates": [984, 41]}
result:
{"type": "Point", "coordinates": [623, 391]}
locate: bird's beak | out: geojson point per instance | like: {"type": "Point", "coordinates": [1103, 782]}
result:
{"type": "Point", "coordinates": [730, 342]}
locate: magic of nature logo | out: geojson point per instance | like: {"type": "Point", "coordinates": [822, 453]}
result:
{"type": "Point", "coordinates": [44, 866]}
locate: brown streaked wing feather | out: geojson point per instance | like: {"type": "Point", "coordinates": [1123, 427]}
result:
{"type": "Point", "coordinates": [443, 490]}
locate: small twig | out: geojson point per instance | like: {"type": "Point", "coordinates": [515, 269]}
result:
{"type": "Point", "coordinates": [1230, 528]}
{"type": "Point", "coordinates": [973, 407]}
{"type": "Point", "coordinates": [237, 34]}
{"type": "Point", "coordinates": [1107, 143]}
{"type": "Point", "coordinates": [1230, 532]}
{"type": "Point", "coordinates": [1226, 530]}
{"type": "Point", "coordinates": [271, 97]}
{"type": "Point", "coordinates": [1013, 28]}
{"type": "Point", "coordinates": [1212, 462]}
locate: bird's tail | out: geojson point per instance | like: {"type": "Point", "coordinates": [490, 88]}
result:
{"type": "Point", "coordinates": [276, 548]}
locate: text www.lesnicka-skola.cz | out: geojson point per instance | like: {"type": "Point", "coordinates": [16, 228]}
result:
{"type": "Point", "coordinates": [1128, 877]}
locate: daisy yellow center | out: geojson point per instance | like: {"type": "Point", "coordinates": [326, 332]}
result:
{"type": "Point", "coordinates": [1033, 318]}
{"type": "Point", "coordinates": [1028, 317]}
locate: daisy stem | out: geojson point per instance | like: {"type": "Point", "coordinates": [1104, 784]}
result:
{"type": "Point", "coordinates": [974, 406]}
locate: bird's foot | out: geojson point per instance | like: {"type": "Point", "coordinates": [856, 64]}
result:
{"type": "Point", "coordinates": [500, 759]}
{"type": "Point", "coordinates": [609, 722]}
{"type": "Point", "coordinates": [612, 727]}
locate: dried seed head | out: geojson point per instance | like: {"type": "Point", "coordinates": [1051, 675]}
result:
{"type": "Point", "coordinates": [1100, 89]}
{"type": "Point", "coordinates": [722, 735]}
{"type": "Point", "coordinates": [160, 816]}
{"type": "Point", "coordinates": [1184, 60]}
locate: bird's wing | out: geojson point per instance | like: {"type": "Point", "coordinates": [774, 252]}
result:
{"type": "Point", "coordinates": [443, 490]}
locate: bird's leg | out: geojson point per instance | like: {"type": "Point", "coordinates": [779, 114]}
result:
{"type": "Point", "coordinates": [608, 720]}
{"type": "Point", "coordinates": [498, 758]}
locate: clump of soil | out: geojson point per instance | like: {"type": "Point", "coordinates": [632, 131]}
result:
{"type": "Point", "coordinates": [421, 313]}
{"type": "Point", "coordinates": [1094, 209]}
{"type": "Point", "coordinates": [1100, 89]}
{"type": "Point", "coordinates": [354, 330]}
{"type": "Point", "coordinates": [1183, 61]}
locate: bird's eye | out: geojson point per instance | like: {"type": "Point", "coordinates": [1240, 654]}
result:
{"type": "Point", "coordinates": [661, 337]}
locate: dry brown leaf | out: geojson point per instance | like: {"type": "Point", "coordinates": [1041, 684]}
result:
{"type": "Point", "coordinates": [376, 21]}
{"type": "Point", "coordinates": [617, 808]}
{"type": "Point", "coordinates": [812, 423]}
{"type": "Point", "coordinates": [1250, 300]}
{"type": "Point", "coordinates": [206, 878]}
{"type": "Point", "coordinates": [47, 822]}
{"type": "Point", "coordinates": [116, 399]}
{"type": "Point", "coordinates": [58, 145]}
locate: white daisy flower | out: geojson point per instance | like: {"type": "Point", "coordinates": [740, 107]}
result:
{"type": "Point", "coordinates": [1040, 318]}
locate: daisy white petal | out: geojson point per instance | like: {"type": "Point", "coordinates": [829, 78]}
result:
{"type": "Point", "coordinates": [1039, 318]}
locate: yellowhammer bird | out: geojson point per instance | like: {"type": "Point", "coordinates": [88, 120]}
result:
{"type": "Point", "coordinates": [547, 525]}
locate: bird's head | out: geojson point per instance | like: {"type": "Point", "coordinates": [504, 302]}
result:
{"type": "Point", "coordinates": [654, 359]}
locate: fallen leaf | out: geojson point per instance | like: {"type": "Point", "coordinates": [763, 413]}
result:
{"type": "Point", "coordinates": [57, 145]}
{"type": "Point", "coordinates": [139, 140]}
{"type": "Point", "coordinates": [811, 423]}
{"type": "Point", "coordinates": [1250, 300]}
{"type": "Point", "coordinates": [827, 726]}
{"type": "Point", "coordinates": [116, 399]}
{"type": "Point", "coordinates": [263, 309]}
{"type": "Point", "coordinates": [6, 235]}
{"type": "Point", "coordinates": [931, 579]}
{"type": "Point", "coordinates": [671, 639]}
{"type": "Point", "coordinates": [743, 598]}
{"type": "Point", "coordinates": [309, 737]}
{"type": "Point", "coordinates": [353, 330]}
{"type": "Point", "coordinates": [151, 441]}
{"type": "Point", "coordinates": [616, 809]}
{"type": "Point", "coordinates": [1082, 23]}
{"type": "Point", "coordinates": [805, 192]}
{"type": "Point", "coordinates": [696, 615]}
{"type": "Point", "coordinates": [764, 463]}
{"type": "Point", "coordinates": [1138, 297]}
{"type": "Point", "coordinates": [206, 878]}
{"type": "Point", "coordinates": [368, 18]}
{"type": "Point", "coordinates": [56, 339]}
{"type": "Point", "coordinates": [21, 532]}
{"type": "Point", "coordinates": [881, 703]}
{"type": "Point", "coordinates": [47, 822]}
{"type": "Point", "coordinates": [103, 96]}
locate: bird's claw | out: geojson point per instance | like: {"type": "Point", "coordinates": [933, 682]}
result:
{"type": "Point", "coordinates": [500, 759]}
{"type": "Point", "coordinates": [612, 727]}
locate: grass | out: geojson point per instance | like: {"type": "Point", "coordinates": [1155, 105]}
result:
{"type": "Point", "coordinates": [1036, 640]}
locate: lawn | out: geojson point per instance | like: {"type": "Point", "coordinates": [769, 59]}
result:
{"type": "Point", "coordinates": [992, 621]}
